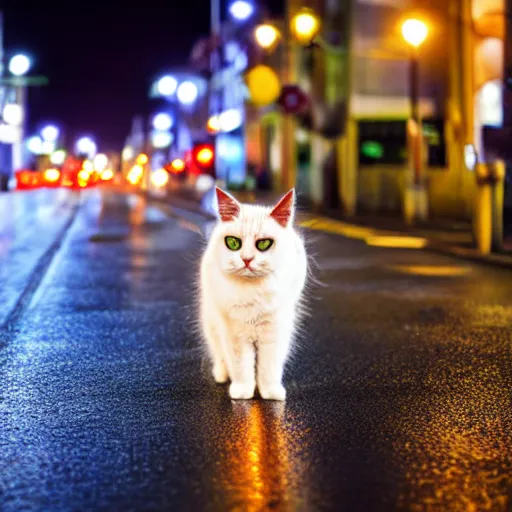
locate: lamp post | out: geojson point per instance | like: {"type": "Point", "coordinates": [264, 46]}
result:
{"type": "Point", "coordinates": [415, 32]}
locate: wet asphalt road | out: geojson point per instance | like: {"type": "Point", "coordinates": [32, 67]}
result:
{"type": "Point", "coordinates": [398, 399]}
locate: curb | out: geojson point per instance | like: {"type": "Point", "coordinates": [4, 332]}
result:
{"type": "Point", "coordinates": [493, 259]}
{"type": "Point", "coordinates": [497, 260]}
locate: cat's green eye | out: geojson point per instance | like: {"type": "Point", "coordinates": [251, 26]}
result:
{"type": "Point", "coordinates": [233, 243]}
{"type": "Point", "coordinates": [264, 244]}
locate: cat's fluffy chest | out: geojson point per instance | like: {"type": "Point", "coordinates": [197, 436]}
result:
{"type": "Point", "coordinates": [251, 303]}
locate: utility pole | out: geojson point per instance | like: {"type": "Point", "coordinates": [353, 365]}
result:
{"type": "Point", "coordinates": [288, 123]}
{"type": "Point", "coordinates": [346, 146]}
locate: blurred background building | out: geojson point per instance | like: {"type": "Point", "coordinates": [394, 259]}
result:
{"type": "Point", "coordinates": [351, 149]}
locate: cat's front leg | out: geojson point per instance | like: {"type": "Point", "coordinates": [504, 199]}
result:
{"type": "Point", "coordinates": [242, 369]}
{"type": "Point", "coordinates": [273, 348]}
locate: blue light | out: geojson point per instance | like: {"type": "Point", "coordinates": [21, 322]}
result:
{"type": "Point", "coordinates": [163, 122]}
{"type": "Point", "coordinates": [241, 9]}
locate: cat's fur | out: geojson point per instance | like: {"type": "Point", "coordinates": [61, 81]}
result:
{"type": "Point", "coordinates": [249, 314]}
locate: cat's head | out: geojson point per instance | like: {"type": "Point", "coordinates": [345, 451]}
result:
{"type": "Point", "coordinates": [253, 241]}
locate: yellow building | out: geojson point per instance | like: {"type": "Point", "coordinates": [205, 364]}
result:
{"type": "Point", "coordinates": [367, 167]}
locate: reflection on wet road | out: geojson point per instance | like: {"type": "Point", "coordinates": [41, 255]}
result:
{"type": "Point", "coordinates": [399, 397]}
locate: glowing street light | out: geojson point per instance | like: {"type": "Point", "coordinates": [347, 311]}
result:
{"type": "Point", "coordinates": [50, 133]}
{"type": "Point", "coordinates": [35, 145]}
{"type": "Point", "coordinates": [100, 162]}
{"type": "Point", "coordinates": [187, 92]}
{"type": "Point", "coordinates": [305, 26]}
{"type": "Point", "coordinates": [178, 165]}
{"type": "Point", "coordinates": [86, 146]}
{"type": "Point", "coordinates": [241, 9]}
{"type": "Point", "coordinates": [127, 153]}
{"type": "Point", "coordinates": [213, 124]}
{"type": "Point", "coordinates": [161, 139]}
{"type": "Point", "coordinates": [142, 159]}
{"type": "Point", "coordinates": [19, 65]}
{"type": "Point", "coordinates": [52, 175]}
{"type": "Point", "coordinates": [58, 157]}
{"type": "Point", "coordinates": [160, 178]}
{"type": "Point", "coordinates": [107, 174]}
{"type": "Point", "coordinates": [47, 147]}
{"type": "Point", "coordinates": [167, 85]}
{"type": "Point", "coordinates": [13, 114]}
{"type": "Point", "coordinates": [266, 36]}
{"type": "Point", "coordinates": [414, 32]}
{"type": "Point", "coordinates": [163, 122]}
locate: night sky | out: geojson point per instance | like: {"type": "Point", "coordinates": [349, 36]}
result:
{"type": "Point", "coordinates": [100, 58]}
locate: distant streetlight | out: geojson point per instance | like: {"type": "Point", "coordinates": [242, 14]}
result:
{"type": "Point", "coordinates": [167, 85]}
{"type": "Point", "coordinates": [47, 147]}
{"type": "Point", "coordinates": [161, 139]}
{"type": "Point", "coordinates": [142, 159]}
{"type": "Point", "coordinates": [266, 36]}
{"type": "Point", "coordinates": [50, 133]}
{"type": "Point", "coordinates": [241, 10]}
{"type": "Point", "coordinates": [13, 114]}
{"type": "Point", "coordinates": [58, 157]}
{"type": "Point", "coordinates": [414, 32]}
{"type": "Point", "coordinates": [35, 145]}
{"type": "Point", "coordinates": [163, 122]}
{"type": "Point", "coordinates": [86, 146]}
{"type": "Point", "coordinates": [160, 178]}
{"type": "Point", "coordinates": [19, 65]}
{"type": "Point", "coordinates": [187, 92]}
{"type": "Point", "coordinates": [305, 26]}
{"type": "Point", "coordinates": [127, 153]}
{"type": "Point", "coordinates": [100, 162]}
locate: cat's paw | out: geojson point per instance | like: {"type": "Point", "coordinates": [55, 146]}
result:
{"type": "Point", "coordinates": [272, 392]}
{"type": "Point", "coordinates": [220, 373]}
{"type": "Point", "coordinates": [241, 390]}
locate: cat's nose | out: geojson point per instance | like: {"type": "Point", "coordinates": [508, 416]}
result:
{"type": "Point", "coordinates": [247, 261]}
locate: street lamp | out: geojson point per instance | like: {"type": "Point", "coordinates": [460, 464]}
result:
{"type": "Point", "coordinates": [187, 92]}
{"type": "Point", "coordinates": [163, 122]}
{"type": "Point", "coordinates": [86, 146]}
{"type": "Point", "coordinates": [58, 157]}
{"type": "Point", "coordinates": [19, 65]}
{"type": "Point", "coordinates": [267, 36]}
{"type": "Point", "coordinates": [50, 133]}
{"type": "Point", "coordinates": [13, 114]}
{"type": "Point", "coordinates": [167, 85]}
{"type": "Point", "coordinates": [414, 32]}
{"type": "Point", "coordinates": [35, 145]}
{"type": "Point", "coordinates": [241, 10]}
{"type": "Point", "coordinates": [305, 25]}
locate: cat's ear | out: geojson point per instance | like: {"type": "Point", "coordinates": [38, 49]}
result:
{"type": "Point", "coordinates": [229, 207]}
{"type": "Point", "coordinates": [284, 211]}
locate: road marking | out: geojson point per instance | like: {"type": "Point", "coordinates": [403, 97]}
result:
{"type": "Point", "coordinates": [431, 270]}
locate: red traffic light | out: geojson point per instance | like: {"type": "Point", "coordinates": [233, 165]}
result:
{"type": "Point", "coordinates": [204, 155]}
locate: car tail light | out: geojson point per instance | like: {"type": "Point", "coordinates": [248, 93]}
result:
{"type": "Point", "coordinates": [51, 177]}
{"type": "Point", "coordinates": [26, 179]}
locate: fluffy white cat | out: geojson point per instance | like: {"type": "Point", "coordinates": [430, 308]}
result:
{"type": "Point", "coordinates": [252, 277]}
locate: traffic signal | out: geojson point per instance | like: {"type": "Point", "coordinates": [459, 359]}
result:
{"type": "Point", "coordinates": [203, 156]}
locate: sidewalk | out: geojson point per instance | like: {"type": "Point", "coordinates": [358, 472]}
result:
{"type": "Point", "coordinates": [440, 235]}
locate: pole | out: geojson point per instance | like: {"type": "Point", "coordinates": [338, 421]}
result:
{"type": "Point", "coordinates": [17, 147]}
{"type": "Point", "coordinates": [1, 43]}
{"type": "Point", "coordinates": [288, 124]}
{"type": "Point", "coordinates": [415, 115]}
{"type": "Point", "coordinates": [214, 17]}
{"type": "Point", "coordinates": [214, 35]}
